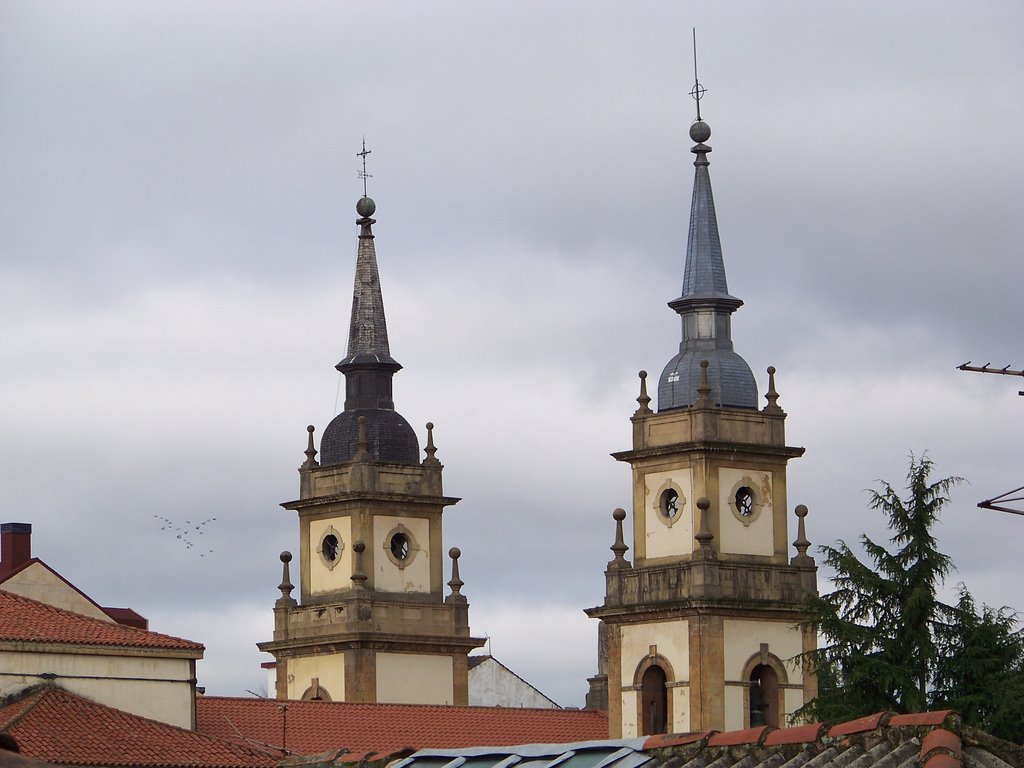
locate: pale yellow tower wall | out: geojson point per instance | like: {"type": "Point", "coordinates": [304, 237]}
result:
{"type": "Point", "coordinates": [322, 576]}
{"type": "Point", "coordinates": [415, 576]}
{"type": "Point", "coordinates": [739, 535]}
{"type": "Point", "coordinates": [413, 678]}
{"type": "Point", "coordinates": [743, 640]}
{"type": "Point", "coordinates": [663, 537]}
{"type": "Point", "coordinates": [671, 643]}
{"type": "Point", "coordinates": [327, 669]}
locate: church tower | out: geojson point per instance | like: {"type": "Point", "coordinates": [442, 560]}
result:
{"type": "Point", "coordinates": [372, 623]}
{"type": "Point", "coordinates": [699, 630]}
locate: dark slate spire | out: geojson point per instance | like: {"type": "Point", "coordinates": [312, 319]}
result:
{"type": "Point", "coordinates": [705, 306]}
{"type": "Point", "coordinates": [704, 273]}
{"type": "Point", "coordinates": [368, 368]}
{"type": "Point", "coordinates": [368, 328]}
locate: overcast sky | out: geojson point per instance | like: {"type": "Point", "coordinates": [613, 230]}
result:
{"type": "Point", "coordinates": [177, 243]}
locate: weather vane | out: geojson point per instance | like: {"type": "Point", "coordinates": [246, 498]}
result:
{"type": "Point", "coordinates": [363, 174]}
{"type": "Point", "coordinates": [698, 90]}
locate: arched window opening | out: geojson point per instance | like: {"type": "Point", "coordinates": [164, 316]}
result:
{"type": "Point", "coordinates": [764, 696]}
{"type": "Point", "coordinates": [316, 692]}
{"type": "Point", "coordinates": [654, 701]}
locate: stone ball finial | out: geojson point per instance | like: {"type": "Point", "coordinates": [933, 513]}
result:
{"type": "Point", "coordinates": [643, 374]}
{"type": "Point", "coordinates": [311, 429]}
{"type": "Point", "coordinates": [771, 370]}
{"type": "Point", "coordinates": [430, 425]}
{"type": "Point", "coordinates": [454, 553]}
{"type": "Point", "coordinates": [286, 556]}
{"type": "Point", "coordinates": [703, 503]}
{"type": "Point", "coordinates": [619, 515]}
{"type": "Point", "coordinates": [366, 207]}
{"type": "Point", "coordinates": [801, 510]}
{"type": "Point", "coordinates": [700, 131]}
{"type": "Point", "coordinates": [359, 546]}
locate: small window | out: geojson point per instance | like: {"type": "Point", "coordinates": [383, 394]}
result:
{"type": "Point", "coordinates": [400, 546]}
{"type": "Point", "coordinates": [669, 503]}
{"type": "Point", "coordinates": [745, 501]}
{"type": "Point", "coordinates": [331, 547]}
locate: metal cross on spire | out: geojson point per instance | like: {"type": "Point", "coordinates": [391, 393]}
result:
{"type": "Point", "coordinates": [363, 174]}
{"type": "Point", "coordinates": [698, 90]}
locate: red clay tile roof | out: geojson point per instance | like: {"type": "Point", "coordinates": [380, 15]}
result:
{"type": "Point", "coordinates": [25, 620]}
{"type": "Point", "coordinates": [52, 724]}
{"type": "Point", "coordinates": [312, 727]}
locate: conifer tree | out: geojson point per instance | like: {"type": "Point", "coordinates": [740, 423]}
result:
{"type": "Point", "coordinates": [980, 672]}
{"type": "Point", "coordinates": [889, 644]}
{"type": "Point", "coordinates": [880, 625]}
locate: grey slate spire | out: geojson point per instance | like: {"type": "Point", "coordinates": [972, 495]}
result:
{"type": "Point", "coordinates": [705, 307]}
{"type": "Point", "coordinates": [368, 368]}
{"type": "Point", "coordinates": [368, 328]}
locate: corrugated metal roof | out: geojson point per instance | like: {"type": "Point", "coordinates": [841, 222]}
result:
{"type": "Point", "coordinates": [620, 753]}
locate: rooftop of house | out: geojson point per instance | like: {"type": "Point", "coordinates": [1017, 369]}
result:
{"type": "Point", "coordinates": [16, 557]}
{"type": "Point", "coordinates": [314, 727]}
{"type": "Point", "coordinates": [925, 740]}
{"type": "Point", "coordinates": [56, 726]}
{"type": "Point", "coordinates": [25, 620]}
{"type": "Point", "coordinates": [59, 727]}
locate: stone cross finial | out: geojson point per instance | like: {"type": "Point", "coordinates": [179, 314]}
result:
{"type": "Point", "coordinates": [456, 583]}
{"type": "Point", "coordinates": [771, 395]}
{"type": "Point", "coordinates": [285, 600]}
{"type": "Point", "coordinates": [430, 450]}
{"type": "Point", "coordinates": [704, 390]}
{"type": "Point", "coordinates": [644, 399]}
{"type": "Point", "coordinates": [310, 461]}
{"type": "Point", "coordinates": [619, 547]}
{"type": "Point", "coordinates": [801, 543]}
{"type": "Point", "coordinates": [363, 174]}
{"type": "Point", "coordinates": [704, 536]}
{"type": "Point", "coordinates": [358, 577]}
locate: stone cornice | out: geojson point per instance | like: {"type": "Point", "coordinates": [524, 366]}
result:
{"type": "Point", "coordinates": [363, 496]}
{"type": "Point", "coordinates": [343, 641]}
{"type": "Point", "coordinates": [710, 447]}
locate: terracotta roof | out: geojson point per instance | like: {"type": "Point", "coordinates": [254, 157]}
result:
{"type": "Point", "coordinates": [54, 725]}
{"type": "Point", "coordinates": [25, 620]}
{"type": "Point", "coordinates": [926, 740]}
{"type": "Point", "coordinates": [312, 727]}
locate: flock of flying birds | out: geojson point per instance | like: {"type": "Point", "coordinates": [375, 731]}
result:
{"type": "Point", "coordinates": [185, 532]}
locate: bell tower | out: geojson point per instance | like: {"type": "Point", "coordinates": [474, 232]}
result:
{"type": "Point", "coordinates": [700, 627]}
{"type": "Point", "coordinates": [372, 622]}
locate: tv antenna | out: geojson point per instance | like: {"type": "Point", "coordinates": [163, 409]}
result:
{"type": "Point", "coordinates": [998, 503]}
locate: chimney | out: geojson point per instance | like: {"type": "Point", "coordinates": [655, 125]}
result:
{"type": "Point", "coordinates": [15, 546]}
